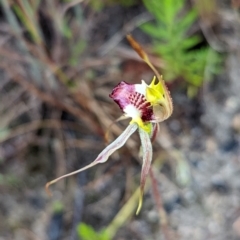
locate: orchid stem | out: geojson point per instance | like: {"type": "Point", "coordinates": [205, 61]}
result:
{"type": "Point", "coordinates": [161, 211]}
{"type": "Point", "coordinates": [123, 215]}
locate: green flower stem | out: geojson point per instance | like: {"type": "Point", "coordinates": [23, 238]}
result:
{"type": "Point", "coordinates": [124, 214]}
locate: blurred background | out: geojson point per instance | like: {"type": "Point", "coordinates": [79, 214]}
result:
{"type": "Point", "coordinates": [59, 61]}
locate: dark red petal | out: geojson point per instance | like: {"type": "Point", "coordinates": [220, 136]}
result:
{"type": "Point", "coordinates": [124, 94]}
{"type": "Point", "coordinates": [121, 94]}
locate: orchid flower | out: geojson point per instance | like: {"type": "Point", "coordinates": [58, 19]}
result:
{"type": "Point", "coordinates": [146, 105]}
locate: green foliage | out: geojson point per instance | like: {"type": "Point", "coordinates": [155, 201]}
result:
{"type": "Point", "coordinates": [10, 180]}
{"type": "Point", "coordinates": [77, 50]}
{"type": "Point", "coordinates": [96, 5]}
{"type": "Point", "coordinates": [174, 46]}
{"type": "Point", "coordinates": [126, 3]}
{"type": "Point", "coordinates": [99, 5]}
{"type": "Point", "coordinates": [86, 232]}
{"type": "Point", "coordinates": [26, 13]}
{"type": "Point", "coordinates": [57, 207]}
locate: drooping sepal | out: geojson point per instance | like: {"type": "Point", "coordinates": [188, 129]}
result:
{"type": "Point", "coordinates": [104, 155]}
{"type": "Point", "coordinates": [147, 159]}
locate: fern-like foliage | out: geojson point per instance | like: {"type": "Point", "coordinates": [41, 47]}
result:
{"type": "Point", "coordinates": [172, 43]}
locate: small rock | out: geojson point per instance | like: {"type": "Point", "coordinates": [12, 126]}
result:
{"type": "Point", "coordinates": [211, 145]}
{"type": "Point", "coordinates": [153, 216]}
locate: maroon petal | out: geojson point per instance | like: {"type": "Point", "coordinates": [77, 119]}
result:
{"type": "Point", "coordinates": [125, 94]}
{"type": "Point", "coordinates": [121, 94]}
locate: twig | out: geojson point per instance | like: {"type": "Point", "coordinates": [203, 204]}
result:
{"type": "Point", "coordinates": [69, 5]}
{"type": "Point", "coordinates": [130, 26]}
{"type": "Point", "coordinates": [34, 125]}
{"type": "Point", "coordinates": [86, 144]}
{"type": "Point", "coordinates": [77, 112]}
{"type": "Point", "coordinates": [206, 22]}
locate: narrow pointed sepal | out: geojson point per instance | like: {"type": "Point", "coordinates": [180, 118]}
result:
{"type": "Point", "coordinates": [155, 131]}
{"type": "Point", "coordinates": [104, 155]}
{"type": "Point", "coordinates": [147, 159]}
{"type": "Point", "coordinates": [106, 136]}
{"type": "Point", "coordinates": [140, 202]}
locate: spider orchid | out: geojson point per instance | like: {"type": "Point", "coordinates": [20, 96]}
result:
{"type": "Point", "coordinates": [146, 105]}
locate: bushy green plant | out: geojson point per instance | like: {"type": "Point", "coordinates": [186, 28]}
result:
{"type": "Point", "coordinates": [179, 51]}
